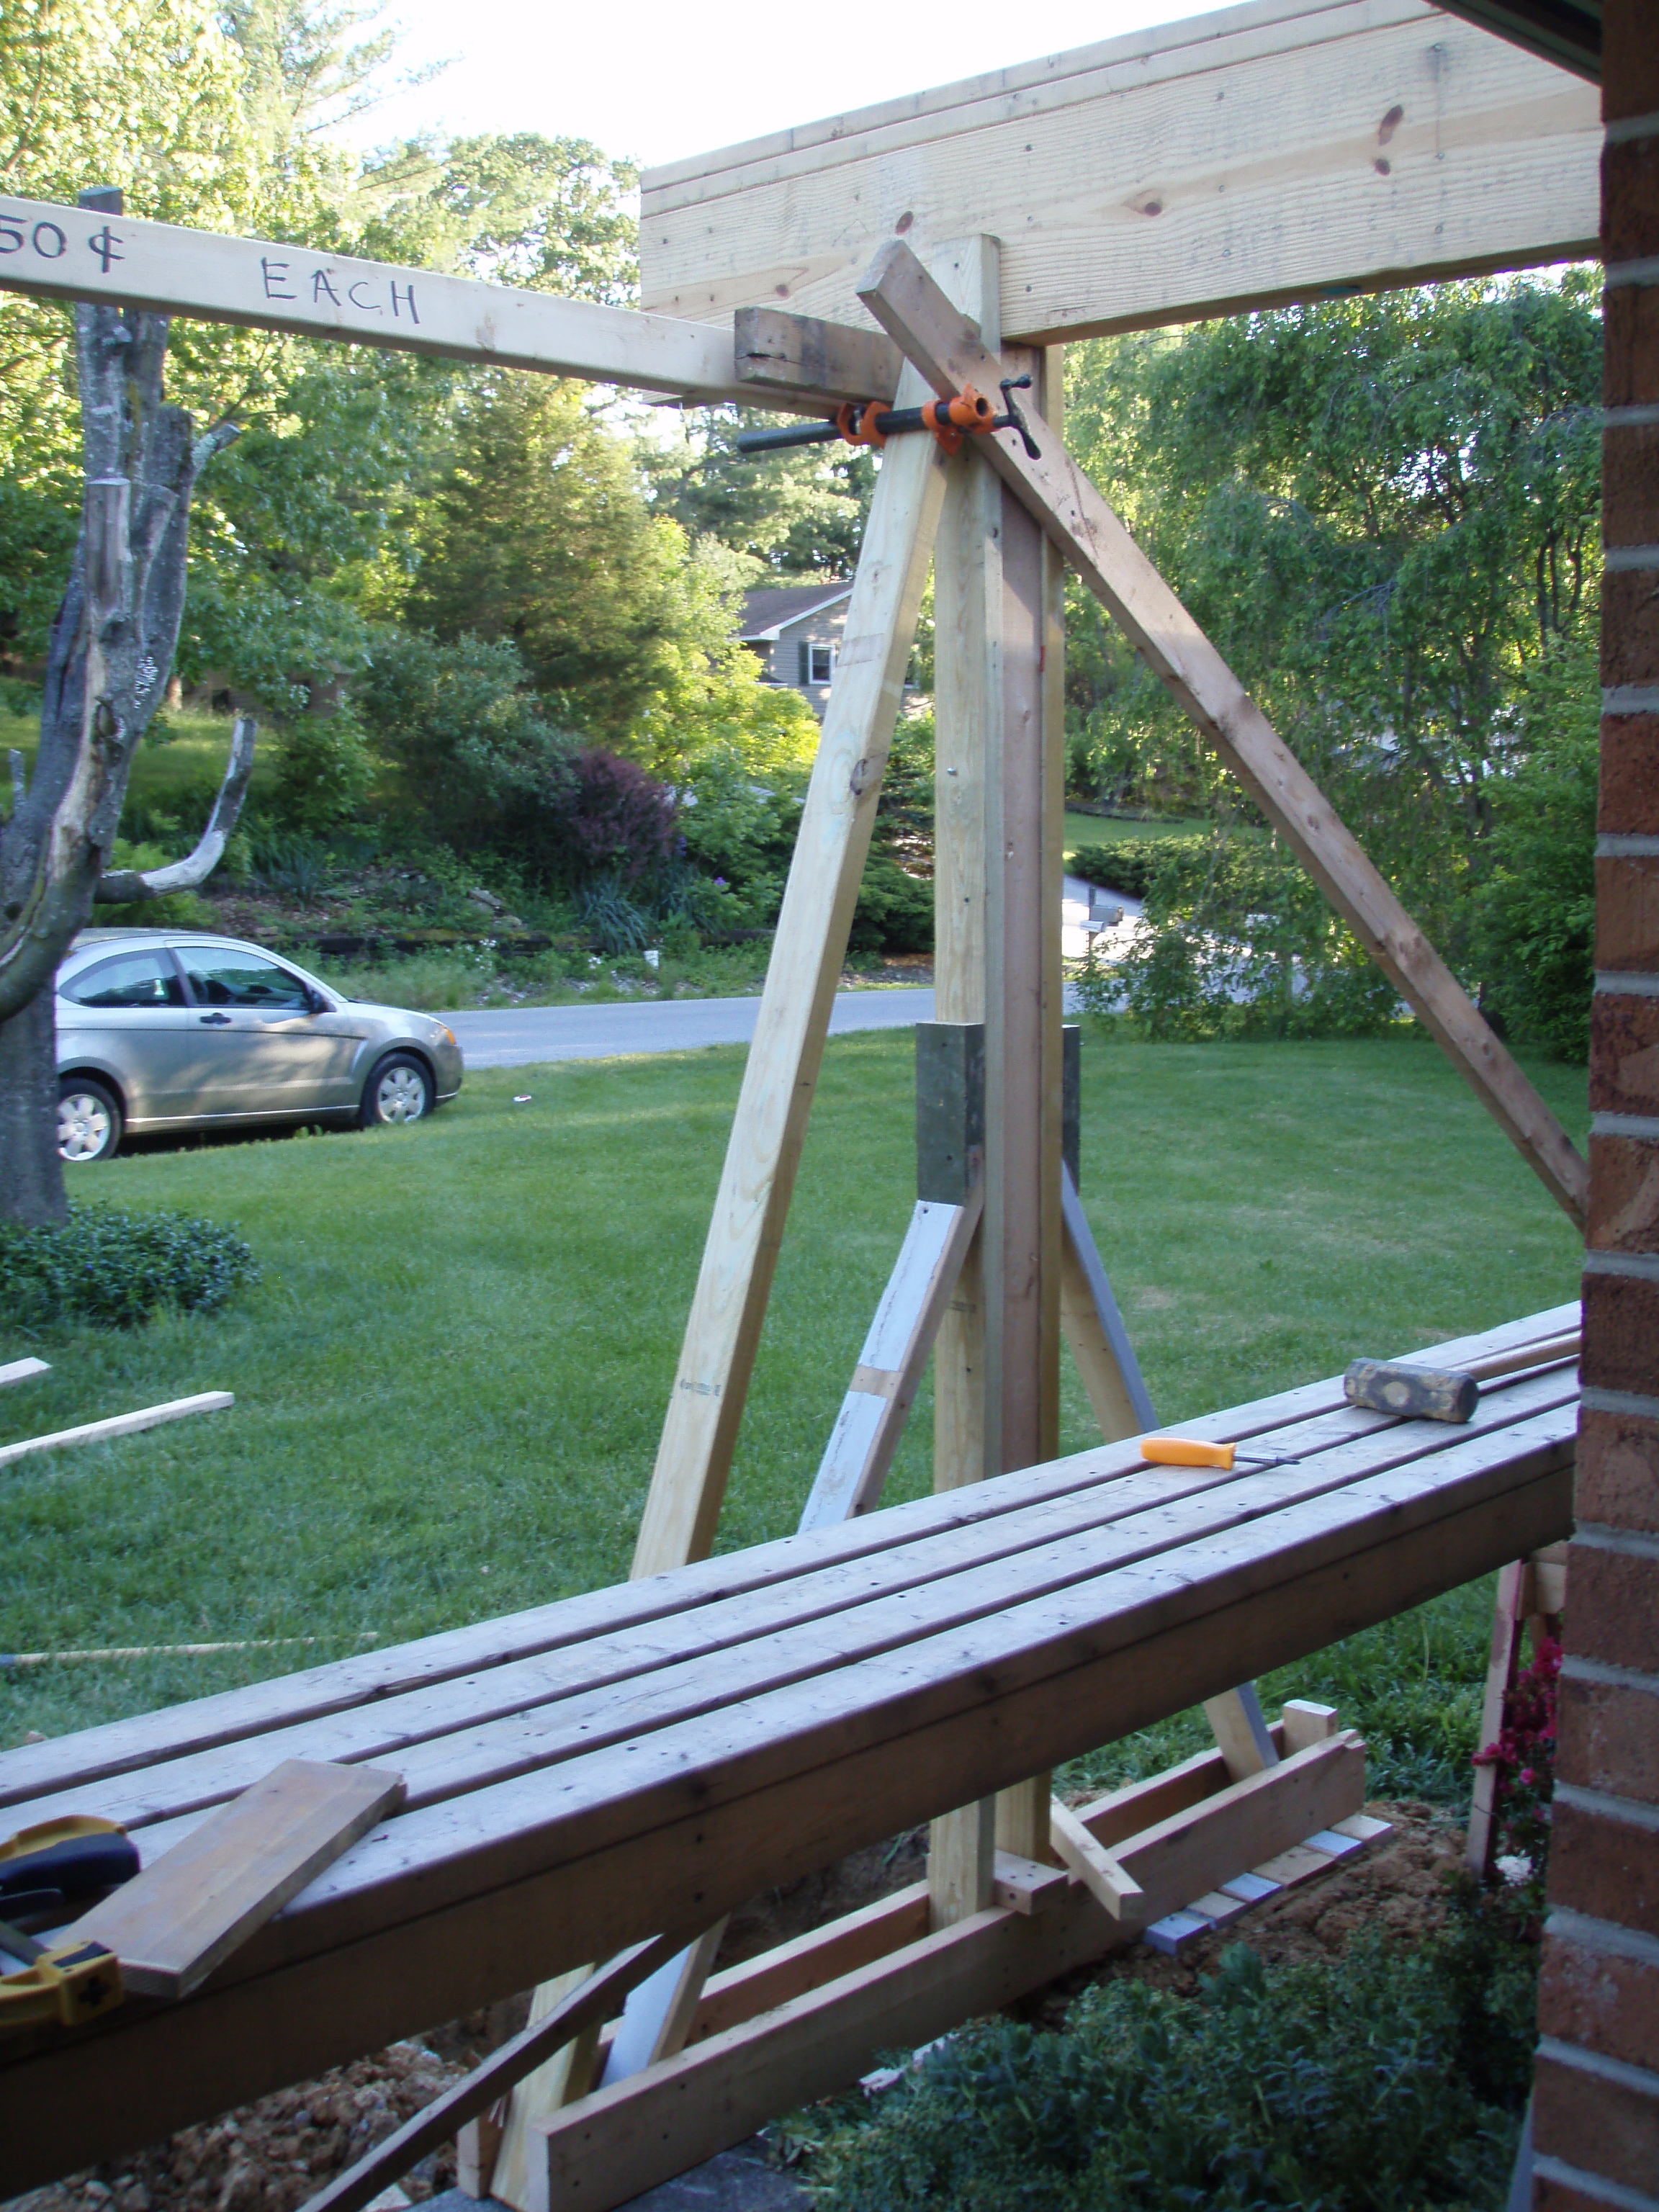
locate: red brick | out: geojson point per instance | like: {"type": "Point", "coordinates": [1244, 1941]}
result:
{"type": "Point", "coordinates": [1630, 200]}
{"type": "Point", "coordinates": [1610, 2129]}
{"type": "Point", "coordinates": [1630, 493]}
{"type": "Point", "coordinates": [1609, 1740]}
{"type": "Point", "coordinates": [1623, 1054]}
{"type": "Point", "coordinates": [1627, 905]}
{"type": "Point", "coordinates": [1624, 1200]}
{"type": "Point", "coordinates": [1630, 364]}
{"type": "Point", "coordinates": [1629, 798]}
{"type": "Point", "coordinates": [1601, 2000]}
{"type": "Point", "coordinates": [1621, 1336]}
{"type": "Point", "coordinates": [1630, 620]}
{"type": "Point", "coordinates": [1630, 60]}
{"type": "Point", "coordinates": [1606, 1867]}
{"type": "Point", "coordinates": [1612, 1608]}
{"type": "Point", "coordinates": [1618, 1458]}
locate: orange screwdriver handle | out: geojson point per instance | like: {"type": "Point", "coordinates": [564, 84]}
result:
{"type": "Point", "coordinates": [1186, 1451]}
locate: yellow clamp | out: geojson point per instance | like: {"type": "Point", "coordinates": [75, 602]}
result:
{"type": "Point", "coordinates": [69, 1984]}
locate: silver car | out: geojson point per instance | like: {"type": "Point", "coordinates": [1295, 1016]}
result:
{"type": "Point", "coordinates": [163, 1028]}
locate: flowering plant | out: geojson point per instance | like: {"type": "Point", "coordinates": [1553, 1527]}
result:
{"type": "Point", "coordinates": [1524, 1756]}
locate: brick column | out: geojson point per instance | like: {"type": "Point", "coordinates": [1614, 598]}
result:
{"type": "Point", "coordinates": [1596, 2104]}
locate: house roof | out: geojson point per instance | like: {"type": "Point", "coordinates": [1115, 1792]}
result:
{"type": "Point", "coordinates": [773, 607]}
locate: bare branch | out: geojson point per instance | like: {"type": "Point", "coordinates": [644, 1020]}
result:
{"type": "Point", "coordinates": [126, 884]}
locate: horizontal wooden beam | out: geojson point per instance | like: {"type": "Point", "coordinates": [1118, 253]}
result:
{"type": "Point", "coordinates": [1269, 153]}
{"type": "Point", "coordinates": [614, 2145]}
{"type": "Point", "coordinates": [947, 350]}
{"type": "Point", "coordinates": [775, 351]}
{"type": "Point", "coordinates": [73, 253]}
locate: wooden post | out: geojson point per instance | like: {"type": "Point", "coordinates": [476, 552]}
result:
{"type": "Point", "coordinates": [998, 799]}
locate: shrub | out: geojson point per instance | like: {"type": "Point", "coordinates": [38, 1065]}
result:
{"type": "Point", "coordinates": [621, 823]}
{"type": "Point", "coordinates": [1384, 2079]}
{"type": "Point", "coordinates": [117, 1269]}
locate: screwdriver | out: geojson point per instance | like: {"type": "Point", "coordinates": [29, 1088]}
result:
{"type": "Point", "coordinates": [1195, 1451]}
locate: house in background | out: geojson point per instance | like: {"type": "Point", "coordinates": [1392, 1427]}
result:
{"type": "Point", "coordinates": [794, 631]}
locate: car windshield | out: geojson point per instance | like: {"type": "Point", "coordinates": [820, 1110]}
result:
{"type": "Point", "coordinates": [131, 979]}
{"type": "Point", "coordinates": [220, 976]}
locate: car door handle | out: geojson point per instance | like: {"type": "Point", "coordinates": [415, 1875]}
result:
{"type": "Point", "coordinates": [214, 1021]}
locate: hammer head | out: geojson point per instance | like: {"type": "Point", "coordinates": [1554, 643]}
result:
{"type": "Point", "coordinates": [1416, 1394]}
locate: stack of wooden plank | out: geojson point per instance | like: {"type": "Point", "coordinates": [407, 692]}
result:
{"type": "Point", "coordinates": [642, 1759]}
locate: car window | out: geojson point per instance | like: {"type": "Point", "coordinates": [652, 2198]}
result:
{"type": "Point", "coordinates": [131, 979]}
{"type": "Point", "coordinates": [220, 977]}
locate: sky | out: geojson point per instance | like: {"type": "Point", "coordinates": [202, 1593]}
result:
{"type": "Point", "coordinates": [656, 80]}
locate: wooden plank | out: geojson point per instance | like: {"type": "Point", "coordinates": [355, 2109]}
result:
{"type": "Point", "coordinates": [583, 2008]}
{"type": "Point", "coordinates": [120, 1424]}
{"type": "Point", "coordinates": [775, 351]}
{"type": "Point", "coordinates": [791, 1968]}
{"type": "Point", "coordinates": [376, 1679]}
{"type": "Point", "coordinates": [439, 1929]}
{"type": "Point", "coordinates": [1094, 1327]}
{"type": "Point", "coordinates": [1240, 1728]}
{"type": "Point", "coordinates": [1229, 166]}
{"type": "Point", "coordinates": [1508, 1613]}
{"type": "Point", "coordinates": [446, 1739]}
{"type": "Point", "coordinates": [21, 1371]}
{"type": "Point", "coordinates": [184, 1913]}
{"type": "Point", "coordinates": [1303, 1722]}
{"type": "Point", "coordinates": [719, 2092]}
{"type": "Point", "coordinates": [900, 292]}
{"type": "Point", "coordinates": [892, 1362]}
{"type": "Point", "coordinates": [700, 1431]}
{"type": "Point", "coordinates": [71, 254]}
{"type": "Point", "coordinates": [1103, 1876]}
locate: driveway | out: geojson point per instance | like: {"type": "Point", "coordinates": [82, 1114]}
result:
{"type": "Point", "coordinates": [516, 1037]}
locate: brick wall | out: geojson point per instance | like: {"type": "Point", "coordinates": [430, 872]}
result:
{"type": "Point", "coordinates": [1597, 2106]}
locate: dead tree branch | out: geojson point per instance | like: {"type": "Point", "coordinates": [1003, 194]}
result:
{"type": "Point", "coordinates": [122, 885]}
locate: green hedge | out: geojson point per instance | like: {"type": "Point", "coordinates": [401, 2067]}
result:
{"type": "Point", "coordinates": [117, 1269]}
{"type": "Point", "coordinates": [1390, 2078]}
{"type": "Point", "coordinates": [1132, 865]}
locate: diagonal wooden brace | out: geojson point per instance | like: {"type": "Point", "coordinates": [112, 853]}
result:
{"type": "Point", "coordinates": [946, 349]}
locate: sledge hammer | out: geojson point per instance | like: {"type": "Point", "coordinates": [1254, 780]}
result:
{"type": "Point", "coordinates": [1443, 1393]}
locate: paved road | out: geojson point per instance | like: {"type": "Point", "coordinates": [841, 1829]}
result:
{"type": "Point", "coordinates": [516, 1037]}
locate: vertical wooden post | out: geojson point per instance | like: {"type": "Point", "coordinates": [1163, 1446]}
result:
{"type": "Point", "coordinates": [999, 826]}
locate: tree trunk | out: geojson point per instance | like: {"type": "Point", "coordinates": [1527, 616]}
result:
{"type": "Point", "coordinates": [31, 1173]}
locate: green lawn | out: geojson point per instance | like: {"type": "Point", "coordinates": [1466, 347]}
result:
{"type": "Point", "coordinates": [450, 1384]}
{"type": "Point", "coordinates": [1108, 829]}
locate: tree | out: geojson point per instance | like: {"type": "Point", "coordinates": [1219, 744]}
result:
{"type": "Point", "coordinates": [1385, 513]}
{"type": "Point", "coordinates": [797, 515]}
{"type": "Point", "coordinates": [112, 647]}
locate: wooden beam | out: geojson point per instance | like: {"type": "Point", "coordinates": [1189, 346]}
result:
{"type": "Point", "coordinates": [71, 253]}
{"type": "Point", "coordinates": [23, 1371]}
{"type": "Point", "coordinates": [120, 1424]}
{"type": "Point", "coordinates": [700, 1431]}
{"type": "Point", "coordinates": [721, 2090]}
{"type": "Point", "coordinates": [778, 352]}
{"type": "Point", "coordinates": [1105, 1877]}
{"type": "Point", "coordinates": [1260, 155]}
{"type": "Point", "coordinates": [894, 1358]}
{"type": "Point", "coordinates": [459, 1903]}
{"type": "Point", "coordinates": [900, 292]}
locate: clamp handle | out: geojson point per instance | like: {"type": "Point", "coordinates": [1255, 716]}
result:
{"type": "Point", "coordinates": [1012, 419]}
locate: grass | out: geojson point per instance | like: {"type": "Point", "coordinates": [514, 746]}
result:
{"type": "Point", "coordinates": [193, 759]}
{"type": "Point", "coordinates": [1106, 828]}
{"type": "Point", "coordinates": [450, 1384]}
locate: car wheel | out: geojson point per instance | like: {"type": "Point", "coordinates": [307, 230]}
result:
{"type": "Point", "coordinates": [88, 1121]}
{"type": "Point", "coordinates": [398, 1092]}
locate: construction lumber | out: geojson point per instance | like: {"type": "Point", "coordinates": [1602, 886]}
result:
{"type": "Point", "coordinates": [185, 1912]}
{"type": "Point", "coordinates": [120, 1424]}
{"type": "Point", "coordinates": [1260, 155]}
{"type": "Point", "coordinates": [74, 253]}
{"type": "Point", "coordinates": [585, 2007]}
{"type": "Point", "coordinates": [464, 1666]}
{"type": "Point", "coordinates": [573, 1830]}
{"type": "Point", "coordinates": [720, 2090]}
{"type": "Point", "coordinates": [900, 292]}
{"type": "Point", "coordinates": [740, 1255]}
{"type": "Point", "coordinates": [775, 351]}
{"type": "Point", "coordinates": [1103, 1876]}
{"type": "Point", "coordinates": [1240, 1728]}
{"type": "Point", "coordinates": [22, 1370]}
{"type": "Point", "coordinates": [892, 1361]}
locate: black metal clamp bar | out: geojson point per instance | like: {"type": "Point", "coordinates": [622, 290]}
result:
{"type": "Point", "coordinates": [888, 423]}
